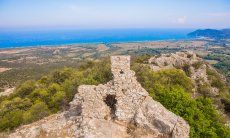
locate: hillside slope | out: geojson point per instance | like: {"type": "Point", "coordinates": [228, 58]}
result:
{"type": "Point", "coordinates": [190, 88]}
{"type": "Point", "coordinates": [109, 104]}
{"type": "Point", "coordinates": [120, 108]}
{"type": "Point", "coordinates": [206, 80]}
{"type": "Point", "coordinates": [195, 68]}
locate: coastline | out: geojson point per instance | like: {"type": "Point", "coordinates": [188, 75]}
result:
{"type": "Point", "coordinates": [18, 39]}
{"type": "Point", "coordinates": [89, 43]}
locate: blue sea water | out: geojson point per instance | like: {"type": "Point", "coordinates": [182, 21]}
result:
{"type": "Point", "coordinates": [13, 39]}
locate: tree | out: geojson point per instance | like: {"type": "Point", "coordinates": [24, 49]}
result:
{"type": "Point", "coordinates": [36, 112]}
{"type": "Point", "coordinates": [58, 101]}
{"type": "Point", "coordinates": [11, 120]}
{"type": "Point", "coordinates": [25, 89]}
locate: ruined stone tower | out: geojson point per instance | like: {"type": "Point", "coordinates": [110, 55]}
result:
{"type": "Point", "coordinates": [120, 67]}
{"type": "Point", "coordinates": [108, 110]}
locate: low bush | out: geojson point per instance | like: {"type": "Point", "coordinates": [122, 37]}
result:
{"type": "Point", "coordinates": [34, 100]}
{"type": "Point", "coordinates": [172, 88]}
{"type": "Point", "coordinates": [197, 64]}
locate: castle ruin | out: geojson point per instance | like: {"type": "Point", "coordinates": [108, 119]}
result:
{"type": "Point", "coordinates": [122, 108]}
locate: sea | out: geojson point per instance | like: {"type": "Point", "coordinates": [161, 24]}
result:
{"type": "Point", "coordinates": [33, 38]}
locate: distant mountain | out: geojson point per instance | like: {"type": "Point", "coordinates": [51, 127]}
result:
{"type": "Point", "coordinates": [211, 33]}
{"type": "Point", "coordinates": [226, 32]}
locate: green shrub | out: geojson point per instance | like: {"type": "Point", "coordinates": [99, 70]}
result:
{"type": "Point", "coordinates": [172, 88]}
{"type": "Point", "coordinates": [215, 79]}
{"type": "Point", "coordinates": [57, 101]}
{"type": "Point", "coordinates": [166, 78]}
{"type": "Point", "coordinates": [60, 76]}
{"type": "Point", "coordinates": [11, 112]}
{"type": "Point", "coordinates": [34, 100]}
{"type": "Point", "coordinates": [197, 64]}
{"type": "Point", "coordinates": [142, 58]}
{"type": "Point", "coordinates": [204, 89]}
{"type": "Point", "coordinates": [36, 112]}
{"type": "Point", "coordinates": [25, 89]}
{"type": "Point", "coordinates": [14, 104]}
{"type": "Point", "coordinates": [11, 119]}
{"type": "Point", "coordinates": [39, 94]}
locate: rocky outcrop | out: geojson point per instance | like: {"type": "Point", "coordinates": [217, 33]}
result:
{"type": "Point", "coordinates": [193, 66]}
{"type": "Point", "coordinates": [173, 60]}
{"type": "Point", "coordinates": [7, 92]}
{"type": "Point", "coordinates": [120, 108]}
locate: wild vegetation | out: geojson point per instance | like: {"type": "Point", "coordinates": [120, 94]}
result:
{"type": "Point", "coordinates": [173, 88]}
{"type": "Point", "coordinates": [34, 100]}
{"type": "Point", "coordinates": [223, 66]}
{"type": "Point", "coordinates": [223, 62]}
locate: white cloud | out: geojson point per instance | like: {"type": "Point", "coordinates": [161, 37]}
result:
{"type": "Point", "coordinates": [180, 20]}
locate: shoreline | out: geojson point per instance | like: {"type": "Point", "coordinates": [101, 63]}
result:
{"type": "Point", "coordinates": [87, 43]}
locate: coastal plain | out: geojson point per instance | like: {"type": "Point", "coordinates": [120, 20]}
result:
{"type": "Point", "coordinates": [20, 64]}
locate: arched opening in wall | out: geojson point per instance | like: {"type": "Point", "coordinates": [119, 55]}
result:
{"type": "Point", "coordinates": [111, 101]}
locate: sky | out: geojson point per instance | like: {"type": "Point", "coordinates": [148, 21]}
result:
{"type": "Point", "coordinates": [84, 14]}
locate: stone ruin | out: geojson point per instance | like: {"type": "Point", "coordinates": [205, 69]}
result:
{"type": "Point", "coordinates": [120, 108]}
